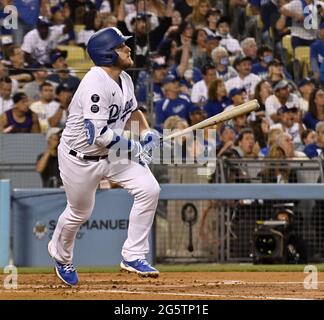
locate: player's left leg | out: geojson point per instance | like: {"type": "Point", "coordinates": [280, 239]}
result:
{"type": "Point", "coordinates": [141, 184]}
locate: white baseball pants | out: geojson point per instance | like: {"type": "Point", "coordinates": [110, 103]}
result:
{"type": "Point", "coordinates": [81, 179]}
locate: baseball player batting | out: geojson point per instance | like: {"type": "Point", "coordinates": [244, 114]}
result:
{"type": "Point", "coordinates": [98, 113]}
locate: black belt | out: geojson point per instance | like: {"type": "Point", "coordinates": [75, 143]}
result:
{"type": "Point", "coordinates": [91, 158]}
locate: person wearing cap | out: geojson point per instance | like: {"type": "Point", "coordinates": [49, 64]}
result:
{"type": "Point", "coordinates": [317, 52]}
{"type": "Point", "coordinates": [39, 72]}
{"type": "Point", "coordinates": [245, 78]}
{"type": "Point", "coordinates": [237, 97]}
{"type": "Point", "coordinates": [62, 74]}
{"type": "Point", "coordinates": [46, 106]}
{"type": "Point", "coordinates": [281, 97]}
{"type": "Point", "coordinates": [172, 103]}
{"type": "Point", "coordinates": [38, 42]}
{"type": "Point", "coordinates": [288, 123]}
{"type": "Point", "coordinates": [199, 93]}
{"type": "Point", "coordinates": [221, 61]}
{"type": "Point", "coordinates": [305, 87]}
{"type": "Point", "coordinates": [18, 68]}
{"type": "Point", "coordinates": [47, 162]}
{"type": "Point", "coordinates": [19, 119]}
{"type": "Point", "coordinates": [57, 117]}
{"type": "Point", "coordinates": [228, 42]}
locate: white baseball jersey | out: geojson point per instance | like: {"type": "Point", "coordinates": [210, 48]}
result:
{"type": "Point", "coordinates": [249, 83]}
{"type": "Point", "coordinates": [199, 93]}
{"type": "Point", "coordinates": [98, 97]}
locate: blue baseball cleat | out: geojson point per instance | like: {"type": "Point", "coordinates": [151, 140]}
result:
{"type": "Point", "coordinates": [67, 273]}
{"type": "Point", "coordinates": [141, 267]}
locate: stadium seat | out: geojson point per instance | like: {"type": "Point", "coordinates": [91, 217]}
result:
{"type": "Point", "coordinates": [74, 53]}
{"type": "Point", "coordinates": [302, 54]}
{"type": "Point", "coordinates": [78, 28]}
{"type": "Point", "coordinates": [286, 43]}
{"type": "Point", "coordinates": [81, 67]}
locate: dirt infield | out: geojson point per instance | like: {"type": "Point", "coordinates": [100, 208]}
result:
{"type": "Point", "coordinates": [170, 285]}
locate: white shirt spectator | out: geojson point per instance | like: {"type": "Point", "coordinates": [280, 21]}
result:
{"type": "Point", "coordinates": [272, 105]}
{"type": "Point", "coordinates": [44, 111]}
{"type": "Point", "coordinates": [231, 45]}
{"type": "Point", "coordinates": [304, 104]}
{"type": "Point", "coordinates": [38, 48]}
{"type": "Point", "coordinates": [199, 92]}
{"type": "Point", "coordinates": [230, 73]}
{"type": "Point", "coordinates": [84, 36]}
{"type": "Point", "coordinates": [298, 29]}
{"type": "Point", "coordinates": [249, 83]}
{"type": "Point", "coordinates": [5, 105]}
{"type": "Point", "coordinates": [293, 131]}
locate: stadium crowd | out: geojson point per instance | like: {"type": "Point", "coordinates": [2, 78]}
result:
{"type": "Point", "coordinates": [193, 59]}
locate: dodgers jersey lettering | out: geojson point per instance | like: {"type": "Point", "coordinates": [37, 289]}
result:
{"type": "Point", "coordinates": [106, 101]}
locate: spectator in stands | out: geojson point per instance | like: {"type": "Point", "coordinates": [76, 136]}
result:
{"type": "Point", "coordinates": [281, 97]}
{"type": "Point", "coordinates": [4, 73]}
{"type": "Point", "coordinates": [32, 88]}
{"type": "Point", "coordinates": [39, 42]}
{"type": "Point", "coordinates": [277, 172]}
{"type": "Point", "coordinates": [6, 102]}
{"type": "Point", "coordinates": [196, 115]}
{"type": "Point", "coordinates": [59, 116]}
{"type": "Point", "coordinates": [245, 145]}
{"type": "Point", "coordinates": [212, 42]}
{"type": "Point", "coordinates": [184, 7]}
{"type": "Point", "coordinates": [302, 31]}
{"type": "Point", "coordinates": [60, 17]}
{"type": "Point", "coordinates": [221, 61]}
{"type": "Point", "coordinates": [277, 72]}
{"type": "Point", "coordinates": [317, 52]}
{"type": "Point", "coordinates": [287, 122]}
{"type": "Point", "coordinates": [272, 137]}
{"type": "Point", "coordinates": [250, 48]}
{"type": "Point", "coordinates": [308, 137]}
{"type": "Point", "coordinates": [315, 111]}
{"type": "Point", "coordinates": [47, 162]}
{"type": "Point", "coordinates": [17, 66]}
{"type": "Point", "coordinates": [199, 13]}
{"type": "Point", "coordinates": [212, 17]}
{"type": "Point", "coordinates": [316, 149]}
{"type": "Point", "coordinates": [227, 41]}
{"type": "Point", "coordinates": [198, 43]}
{"type": "Point", "coordinates": [109, 21]}
{"type": "Point", "coordinates": [237, 97]}
{"type": "Point", "coordinates": [19, 119]}
{"type": "Point", "coordinates": [91, 24]}
{"type": "Point", "coordinates": [46, 106]}
{"type": "Point", "coordinates": [172, 104]}
{"type": "Point", "coordinates": [261, 129]}
{"type": "Point", "coordinates": [227, 139]}
{"type": "Point", "coordinates": [199, 93]}
{"type": "Point", "coordinates": [306, 87]}
{"type": "Point", "coordinates": [61, 72]}
{"type": "Point", "coordinates": [262, 91]}
{"type": "Point", "coordinates": [245, 78]}
{"type": "Point", "coordinates": [159, 67]}
{"type": "Point", "coordinates": [217, 98]}
{"type": "Point", "coordinates": [284, 140]}
{"type": "Point", "coordinates": [265, 56]}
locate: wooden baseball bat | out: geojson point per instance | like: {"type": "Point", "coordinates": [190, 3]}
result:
{"type": "Point", "coordinates": [218, 118]}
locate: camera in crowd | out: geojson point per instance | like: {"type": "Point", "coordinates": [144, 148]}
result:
{"type": "Point", "coordinates": [276, 241]}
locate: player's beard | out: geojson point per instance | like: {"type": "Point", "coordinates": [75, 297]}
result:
{"type": "Point", "coordinates": [125, 64]}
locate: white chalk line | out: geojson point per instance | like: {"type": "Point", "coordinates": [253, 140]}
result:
{"type": "Point", "coordinates": [202, 295]}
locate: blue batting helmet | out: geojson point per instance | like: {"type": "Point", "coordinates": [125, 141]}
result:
{"type": "Point", "coordinates": [101, 46]}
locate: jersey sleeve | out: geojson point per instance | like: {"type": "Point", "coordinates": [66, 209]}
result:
{"type": "Point", "coordinates": [27, 45]}
{"type": "Point", "coordinates": [94, 98]}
